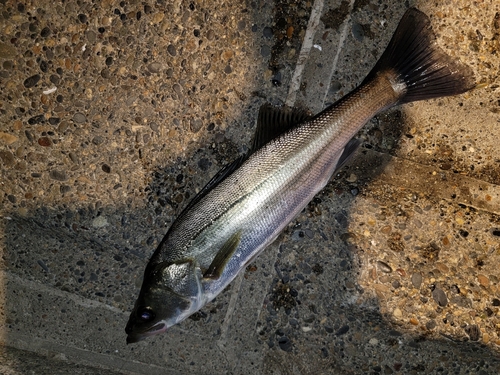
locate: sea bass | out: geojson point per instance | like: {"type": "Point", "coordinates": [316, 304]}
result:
{"type": "Point", "coordinates": [247, 204]}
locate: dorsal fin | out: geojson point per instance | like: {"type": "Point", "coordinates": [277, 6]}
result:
{"type": "Point", "coordinates": [273, 121]}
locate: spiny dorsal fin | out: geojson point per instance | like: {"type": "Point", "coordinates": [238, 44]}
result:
{"type": "Point", "coordinates": [273, 121]}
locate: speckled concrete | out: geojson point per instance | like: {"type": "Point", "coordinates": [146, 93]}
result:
{"type": "Point", "coordinates": [114, 114]}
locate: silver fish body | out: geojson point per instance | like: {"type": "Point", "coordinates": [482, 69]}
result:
{"type": "Point", "coordinates": [269, 189]}
{"type": "Point", "coordinates": [242, 213]}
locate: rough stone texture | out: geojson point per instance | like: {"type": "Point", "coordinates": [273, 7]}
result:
{"type": "Point", "coordinates": [114, 114]}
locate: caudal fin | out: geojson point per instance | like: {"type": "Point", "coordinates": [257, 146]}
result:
{"type": "Point", "coordinates": [426, 71]}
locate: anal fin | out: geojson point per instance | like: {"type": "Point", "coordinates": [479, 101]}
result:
{"type": "Point", "coordinates": [347, 152]}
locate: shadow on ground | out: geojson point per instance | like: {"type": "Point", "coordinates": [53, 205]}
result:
{"type": "Point", "coordinates": [309, 320]}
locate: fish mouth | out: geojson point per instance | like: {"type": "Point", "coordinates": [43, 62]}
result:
{"type": "Point", "coordinates": [134, 337]}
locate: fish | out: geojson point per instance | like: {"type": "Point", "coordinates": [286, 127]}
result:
{"type": "Point", "coordinates": [247, 204]}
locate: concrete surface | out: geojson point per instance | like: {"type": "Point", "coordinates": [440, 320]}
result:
{"type": "Point", "coordinates": [114, 114]}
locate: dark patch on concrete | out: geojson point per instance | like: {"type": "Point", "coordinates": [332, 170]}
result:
{"type": "Point", "coordinates": [290, 18]}
{"type": "Point", "coordinates": [333, 18]}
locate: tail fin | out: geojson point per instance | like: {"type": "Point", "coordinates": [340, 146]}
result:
{"type": "Point", "coordinates": [426, 70]}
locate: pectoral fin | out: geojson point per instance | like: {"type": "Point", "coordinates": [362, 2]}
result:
{"type": "Point", "coordinates": [215, 269]}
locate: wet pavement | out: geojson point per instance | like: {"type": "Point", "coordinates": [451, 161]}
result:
{"type": "Point", "coordinates": [113, 115]}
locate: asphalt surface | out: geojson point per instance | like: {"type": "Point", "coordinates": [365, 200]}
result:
{"type": "Point", "coordinates": [114, 114]}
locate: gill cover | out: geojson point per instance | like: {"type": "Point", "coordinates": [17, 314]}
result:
{"type": "Point", "coordinates": [170, 292]}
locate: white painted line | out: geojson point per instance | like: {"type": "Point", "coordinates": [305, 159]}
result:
{"type": "Point", "coordinates": [343, 36]}
{"type": "Point", "coordinates": [312, 26]}
{"type": "Point", "coordinates": [78, 300]}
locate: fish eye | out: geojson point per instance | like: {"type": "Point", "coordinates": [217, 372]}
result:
{"type": "Point", "coordinates": [145, 314]}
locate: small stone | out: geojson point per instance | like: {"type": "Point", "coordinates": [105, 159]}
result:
{"type": "Point", "coordinates": [91, 36]}
{"type": "Point", "coordinates": [106, 168]}
{"type": "Point", "coordinates": [55, 79]}
{"type": "Point", "coordinates": [42, 264]}
{"type": "Point", "coordinates": [8, 138]}
{"type": "Point", "coordinates": [386, 229]}
{"type": "Point", "coordinates": [352, 178]}
{"type": "Point", "coordinates": [473, 331]}
{"type": "Point", "coordinates": [7, 158]}
{"type": "Point", "coordinates": [54, 120]}
{"type": "Point", "coordinates": [265, 51]}
{"type": "Point", "coordinates": [73, 157]}
{"type": "Point", "coordinates": [195, 125]}
{"type": "Point", "coordinates": [58, 175]}
{"type": "Point", "coordinates": [171, 50]}
{"type": "Point", "coordinates": [455, 289]}
{"type": "Point", "coordinates": [397, 313]}
{"type": "Point", "coordinates": [358, 32]}
{"type": "Point", "coordinates": [401, 272]}
{"type": "Point", "coordinates": [45, 142]}
{"type": "Point", "coordinates": [31, 81]}
{"type": "Point", "coordinates": [226, 55]}
{"type": "Point", "coordinates": [64, 189]}
{"type": "Point", "coordinates": [154, 67]}
{"type": "Point", "coordinates": [285, 344]}
{"type": "Point", "coordinates": [267, 32]}
{"type": "Point", "coordinates": [440, 297]}
{"type": "Point", "coordinates": [342, 330]}
{"type": "Point", "coordinates": [431, 324]}
{"type": "Point", "coordinates": [414, 321]}
{"type": "Point", "coordinates": [442, 267]}
{"type": "Point", "coordinates": [158, 17]}
{"type": "Point", "coordinates": [384, 267]}
{"type": "Point", "coordinates": [483, 280]}
{"type": "Point", "coordinates": [204, 164]}
{"type": "Point", "coordinates": [99, 222]}
{"type": "Point", "coordinates": [416, 280]}
{"type": "Point", "coordinates": [36, 119]}
{"type": "Point", "coordinates": [82, 18]}
{"type": "Point", "coordinates": [384, 279]}
{"type": "Point", "coordinates": [79, 118]}
{"type": "Point", "coordinates": [154, 126]}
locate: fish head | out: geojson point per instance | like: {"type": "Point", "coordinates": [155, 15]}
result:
{"type": "Point", "coordinates": [170, 292]}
